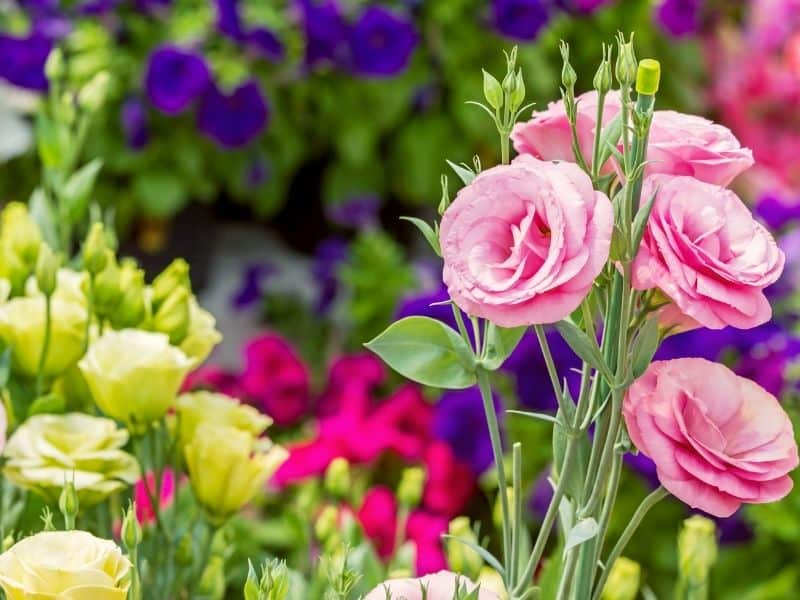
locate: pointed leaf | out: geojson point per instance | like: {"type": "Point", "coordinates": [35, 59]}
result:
{"type": "Point", "coordinates": [501, 342]}
{"type": "Point", "coordinates": [426, 351]}
{"type": "Point", "coordinates": [5, 367]}
{"type": "Point", "coordinates": [427, 231]}
{"type": "Point", "coordinates": [640, 222]}
{"type": "Point", "coordinates": [535, 415]}
{"type": "Point", "coordinates": [584, 347]}
{"type": "Point", "coordinates": [483, 552]}
{"type": "Point", "coordinates": [42, 212]}
{"type": "Point", "coordinates": [644, 346]}
{"type": "Point", "coordinates": [609, 138]}
{"type": "Point", "coordinates": [76, 191]}
{"type": "Point", "coordinates": [583, 531]}
{"type": "Point", "coordinates": [464, 173]}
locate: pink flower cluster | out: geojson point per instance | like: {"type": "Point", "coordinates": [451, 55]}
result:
{"type": "Point", "coordinates": [523, 243]}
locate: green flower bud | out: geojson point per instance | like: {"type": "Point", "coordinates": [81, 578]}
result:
{"type": "Point", "coordinates": [460, 557]}
{"type": "Point", "coordinates": [497, 513]}
{"type": "Point", "coordinates": [697, 549]}
{"type": "Point", "coordinates": [518, 95]}
{"type": "Point", "coordinates": [627, 64]}
{"type": "Point", "coordinates": [568, 75]}
{"type": "Point", "coordinates": [623, 581]}
{"type": "Point", "coordinates": [94, 249]}
{"type": "Point", "coordinates": [252, 589]}
{"type": "Point", "coordinates": [93, 95]}
{"type": "Point", "coordinates": [273, 584]}
{"type": "Point", "coordinates": [174, 276]}
{"type": "Point", "coordinates": [68, 503]}
{"type": "Point", "coordinates": [184, 555]}
{"type": "Point", "coordinates": [8, 541]}
{"type": "Point", "coordinates": [492, 91]}
{"type": "Point", "coordinates": [337, 478]}
{"type": "Point", "coordinates": [54, 66]}
{"type": "Point", "coordinates": [173, 317]}
{"type": "Point", "coordinates": [131, 530]}
{"type": "Point", "coordinates": [409, 490]}
{"type": "Point", "coordinates": [130, 310]}
{"type": "Point", "coordinates": [21, 237]}
{"type": "Point", "coordinates": [212, 581]}
{"type": "Point", "coordinates": [602, 78]}
{"type": "Point", "coordinates": [108, 287]}
{"type": "Point", "coordinates": [327, 523]}
{"type": "Point", "coordinates": [47, 265]}
{"type": "Point", "coordinates": [648, 77]}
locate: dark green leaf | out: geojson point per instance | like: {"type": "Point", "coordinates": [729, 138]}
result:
{"type": "Point", "coordinates": [427, 231]}
{"type": "Point", "coordinates": [644, 346]}
{"type": "Point", "coordinates": [426, 351]}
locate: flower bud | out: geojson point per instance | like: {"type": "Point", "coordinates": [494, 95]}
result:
{"type": "Point", "coordinates": [490, 580]}
{"type": "Point", "coordinates": [172, 317]}
{"type": "Point", "coordinates": [326, 523]}
{"type": "Point", "coordinates": [47, 265]}
{"type": "Point", "coordinates": [460, 557]}
{"type": "Point", "coordinates": [568, 75]}
{"type": "Point", "coordinates": [337, 478]}
{"type": "Point", "coordinates": [130, 310]}
{"type": "Point", "coordinates": [497, 513]}
{"type": "Point", "coordinates": [21, 237]}
{"type": "Point", "coordinates": [174, 276]}
{"type": "Point", "coordinates": [623, 581]}
{"type": "Point", "coordinates": [492, 91]}
{"type": "Point", "coordinates": [518, 95]}
{"type": "Point", "coordinates": [94, 249]}
{"type": "Point", "coordinates": [409, 490]}
{"type": "Point", "coordinates": [184, 555]}
{"type": "Point", "coordinates": [131, 530]}
{"type": "Point", "coordinates": [108, 287]}
{"type": "Point", "coordinates": [626, 66]}
{"type": "Point", "coordinates": [602, 78]}
{"type": "Point", "coordinates": [54, 65]}
{"type": "Point", "coordinates": [8, 541]}
{"type": "Point", "coordinates": [648, 76]}
{"type": "Point", "coordinates": [212, 581]}
{"type": "Point", "coordinates": [68, 503]}
{"type": "Point", "coordinates": [697, 549]}
{"type": "Point", "coordinates": [93, 95]}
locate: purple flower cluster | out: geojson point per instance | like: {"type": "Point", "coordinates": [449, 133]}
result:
{"type": "Point", "coordinates": [22, 60]}
{"type": "Point", "coordinates": [523, 20]}
{"type": "Point", "coordinates": [679, 18]}
{"type": "Point", "coordinates": [260, 39]}
{"type": "Point", "coordinates": [377, 43]}
{"type": "Point", "coordinates": [178, 78]}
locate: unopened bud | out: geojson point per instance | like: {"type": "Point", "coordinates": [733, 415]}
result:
{"type": "Point", "coordinates": [184, 555]}
{"type": "Point", "coordinates": [623, 581]}
{"type": "Point", "coordinates": [518, 95]}
{"type": "Point", "coordinates": [626, 60]}
{"type": "Point", "coordinates": [602, 78]}
{"type": "Point", "coordinates": [212, 581]}
{"type": "Point", "coordinates": [568, 75]}
{"type": "Point", "coordinates": [492, 91]}
{"type": "Point", "coordinates": [173, 316]}
{"type": "Point", "coordinates": [697, 549]}
{"type": "Point", "coordinates": [21, 235]}
{"type": "Point", "coordinates": [68, 503]}
{"type": "Point", "coordinates": [8, 541]}
{"type": "Point", "coordinates": [54, 66]}
{"type": "Point", "coordinates": [47, 264]}
{"type": "Point", "coordinates": [174, 276]}
{"type": "Point", "coordinates": [648, 77]}
{"type": "Point", "coordinates": [497, 513]}
{"type": "Point", "coordinates": [460, 557]}
{"type": "Point", "coordinates": [326, 523]}
{"type": "Point", "coordinates": [409, 490]}
{"type": "Point", "coordinates": [337, 477]}
{"type": "Point", "coordinates": [93, 95]}
{"type": "Point", "coordinates": [131, 530]}
{"type": "Point", "coordinates": [107, 286]}
{"type": "Point", "coordinates": [94, 249]}
{"type": "Point", "coordinates": [130, 310]}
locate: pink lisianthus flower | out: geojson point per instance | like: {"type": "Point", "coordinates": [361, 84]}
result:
{"type": "Point", "coordinates": [705, 251]}
{"type": "Point", "coordinates": [144, 507]}
{"type": "Point", "coordinates": [438, 586]}
{"type": "Point", "coordinates": [523, 243]}
{"type": "Point", "coordinates": [679, 144]}
{"type": "Point", "coordinates": [275, 380]}
{"type": "Point", "coordinates": [718, 440]}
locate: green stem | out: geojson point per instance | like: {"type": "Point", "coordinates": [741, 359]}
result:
{"type": "Point", "coordinates": [601, 100]}
{"type": "Point", "coordinates": [567, 573]}
{"type": "Point", "coordinates": [89, 313]}
{"type": "Point", "coordinates": [516, 524]}
{"type": "Point", "coordinates": [504, 147]}
{"type": "Point", "coordinates": [649, 502]}
{"type": "Point", "coordinates": [497, 450]}
{"type": "Point", "coordinates": [45, 344]}
{"type": "Point", "coordinates": [551, 369]}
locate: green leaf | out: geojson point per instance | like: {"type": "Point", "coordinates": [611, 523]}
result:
{"type": "Point", "coordinates": [584, 347]}
{"type": "Point", "coordinates": [583, 531]}
{"type": "Point", "coordinates": [76, 191]}
{"type": "Point", "coordinates": [581, 457]}
{"type": "Point", "coordinates": [41, 212]}
{"type": "Point", "coordinates": [492, 91]}
{"type": "Point", "coordinates": [5, 367]}
{"type": "Point", "coordinates": [640, 223]}
{"type": "Point", "coordinates": [500, 343]}
{"type": "Point", "coordinates": [483, 552]}
{"type": "Point", "coordinates": [161, 194]}
{"type": "Point", "coordinates": [53, 141]}
{"type": "Point", "coordinates": [427, 231]}
{"type": "Point", "coordinates": [535, 415]}
{"type": "Point", "coordinates": [464, 173]}
{"type": "Point", "coordinates": [49, 404]}
{"type": "Point", "coordinates": [609, 138]}
{"type": "Point", "coordinates": [426, 351]}
{"type": "Point", "coordinates": [644, 346]}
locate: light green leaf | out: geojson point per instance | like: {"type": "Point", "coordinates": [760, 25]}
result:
{"type": "Point", "coordinates": [464, 173]}
{"type": "Point", "coordinates": [640, 223]}
{"type": "Point", "coordinates": [609, 138]}
{"type": "Point", "coordinates": [427, 231]}
{"type": "Point", "coordinates": [483, 552]}
{"type": "Point", "coordinates": [41, 212]}
{"type": "Point", "coordinates": [583, 531]}
{"type": "Point", "coordinates": [644, 346]}
{"type": "Point", "coordinates": [584, 347]}
{"type": "Point", "coordinates": [501, 342]}
{"type": "Point", "coordinates": [426, 351]}
{"type": "Point", "coordinates": [76, 191]}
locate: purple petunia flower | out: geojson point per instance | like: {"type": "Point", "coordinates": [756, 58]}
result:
{"type": "Point", "coordinates": [97, 8]}
{"type": "Point", "coordinates": [460, 421]}
{"type": "Point", "coordinates": [520, 20]}
{"type": "Point", "coordinates": [581, 7]}
{"type": "Point", "coordinates": [679, 17]}
{"type": "Point", "coordinates": [135, 126]}
{"type": "Point", "coordinates": [262, 40]}
{"type": "Point", "coordinates": [325, 32]}
{"type": "Point", "coordinates": [777, 212]}
{"type": "Point", "coordinates": [22, 60]}
{"type": "Point", "coordinates": [359, 212]}
{"type": "Point", "coordinates": [251, 289]}
{"type": "Point", "coordinates": [381, 43]}
{"type": "Point", "coordinates": [257, 172]}
{"type": "Point", "coordinates": [266, 44]}
{"type": "Point", "coordinates": [228, 20]}
{"type": "Point", "coordinates": [233, 120]}
{"type": "Point", "coordinates": [175, 78]}
{"type": "Point", "coordinates": [328, 256]}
